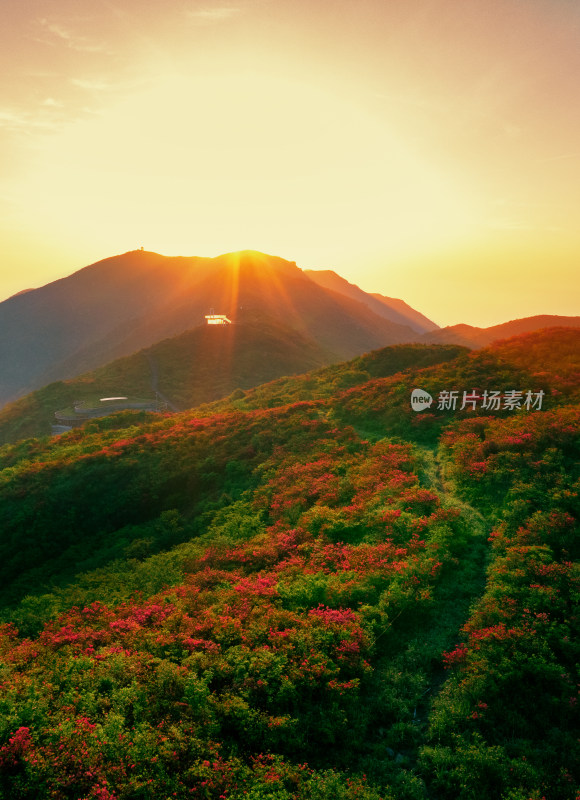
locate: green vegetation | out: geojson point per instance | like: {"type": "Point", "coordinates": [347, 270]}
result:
{"type": "Point", "coordinates": [198, 366]}
{"type": "Point", "coordinates": [331, 381]}
{"type": "Point", "coordinates": [308, 591]}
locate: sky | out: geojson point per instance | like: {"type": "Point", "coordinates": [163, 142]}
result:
{"type": "Point", "coordinates": [423, 149]}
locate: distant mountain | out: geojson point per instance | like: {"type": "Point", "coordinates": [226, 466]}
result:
{"type": "Point", "coordinates": [470, 336]}
{"type": "Point", "coordinates": [129, 302]}
{"type": "Point", "coordinates": [416, 320]}
{"type": "Point", "coordinates": [195, 367]}
{"type": "Point", "coordinates": [125, 303]}
{"type": "Point", "coordinates": [394, 310]}
{"type": "Point", "coordinates": [553, 352]}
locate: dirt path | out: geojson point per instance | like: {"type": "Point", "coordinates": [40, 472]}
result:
{"type": "Point", "coordinates": [460, 586]}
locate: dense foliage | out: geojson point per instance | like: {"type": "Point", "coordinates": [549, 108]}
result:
{"type": "Point", "coordinates": [198, 366]}
{"type": "Point", "coordinates": [322, 596]}
{"type": "Point", "coordinates": [507, 717]}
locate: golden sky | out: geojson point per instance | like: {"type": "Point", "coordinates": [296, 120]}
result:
{"type": "Point", "coordinates": [424, 149]}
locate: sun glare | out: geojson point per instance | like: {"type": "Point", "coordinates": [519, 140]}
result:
{"type": "Point", "coordinates": [218, 164]}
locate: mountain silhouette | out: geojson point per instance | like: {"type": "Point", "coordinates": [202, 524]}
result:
{"type": "Point", "coordinates": [129, 302]}
{"type": "Point", "coordinates": [473, 337]}
{"type": "Point", "coordinates": [415, 319]}
{"type": "Point", "coordinates": [388, 307]}
{"type": "Point", "coordinates": [125, 303]}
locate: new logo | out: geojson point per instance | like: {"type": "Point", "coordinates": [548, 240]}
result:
{"type": "Point", "coordinates": [420, 400]}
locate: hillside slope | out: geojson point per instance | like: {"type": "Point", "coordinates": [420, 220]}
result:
{"type": "Point", "coordinates": [416, 319]}
{"type": "Point", "coordinates": [337, 597]}
{"type": "Point", "coordinates": [198, 366]}
{"type": "Point", "coordinates": [394, 310]}
{"type": "Point", "coordinates": [470, 336]}
{"type": "Point", "coordinates": [128, 302]}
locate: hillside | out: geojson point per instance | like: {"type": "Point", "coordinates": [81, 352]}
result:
{"type": "Point", "coordinates": [332, 597]}
{"type": "Point", "coordinates": [394, 310]}
{"type": "Point", "coordinates": [198, 366]}
{"type": "Point", "coordinates": [123, 304]}
{"type": "Point", "coordinates": [470, 336]}
{"type": "Point", "coordinates": [546, 359]}
{"type": "Point", "coordinates": [330, 383]}
{"type": "Point", "coordinates": [416, 319]}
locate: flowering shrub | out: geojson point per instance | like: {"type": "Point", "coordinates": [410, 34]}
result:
{"type": "Point", "coordinates": [283, 603]}
{"type": "Point", "coordinates": [511, 701]}
{"type": "Point", "coordinates": [270, 642]}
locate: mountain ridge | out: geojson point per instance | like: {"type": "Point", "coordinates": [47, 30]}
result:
{"type": "Point", "coordinates": [395, 310]}
{"type": "Point", "coordinates": [474, 337]}
{"type": "Point", "coordinates": [200, 366]}
{"type": "Point", "coordinates": [123, 303]}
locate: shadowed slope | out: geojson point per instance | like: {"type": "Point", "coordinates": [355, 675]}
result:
{"type": "Point", "coordinates": [128, 302]}
{"type": "Point", "coordinates": [198, 366]}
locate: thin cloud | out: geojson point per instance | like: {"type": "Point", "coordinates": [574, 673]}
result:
{"type": "Point", "coordinates": [91, 86]}
{"type": "Point", "coordinates": [209, 15]}
{"type": "Point", "coordinates": [23, 122]}
{"type": "Point", "coordinates": [45, 116]}
{"type": "Point", "coordinates": [59, 34]}
{"type": "Point", "coordinates": [9, 119]}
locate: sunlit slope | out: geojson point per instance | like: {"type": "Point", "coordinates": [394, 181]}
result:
{"type": "Point", "coordinates": [332, 381]}
{"type": "Point", "coordinates": [128, 302]}
{"type": "Point", "coordinates": [366, 391]}
{"type": "Point", "coordinates": [470, 336]}
{"type": "Point", "coordinates": [555, 352]}
{"type": "Point", "coordinates": [342, 395]}
{"type": "Point", "coordinates": [198, 366]}
{"type": "Point", "coordinates": [289, 602]}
